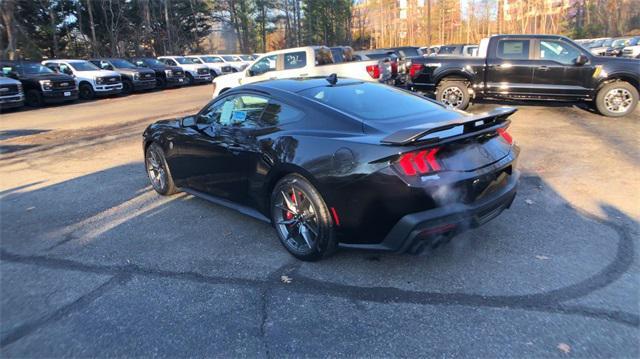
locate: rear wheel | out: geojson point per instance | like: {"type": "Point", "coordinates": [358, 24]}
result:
{"type": "Point", "coordinates": [616, 99]}
{"type": "Point", "coordinates": [454, 94]}
{"type": "Point", "coordinates": [158, 170]}
{"type": "Point", "coordinates": [301, 219]}
{"type": "Point", "coordinates": [34, 98]}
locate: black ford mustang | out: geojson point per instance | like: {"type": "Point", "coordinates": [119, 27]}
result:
{"type": "Point", "coordinates": [346, 163]}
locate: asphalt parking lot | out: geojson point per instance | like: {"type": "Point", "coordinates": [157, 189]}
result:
{"type": "Point", "coordinates": [95, 264]}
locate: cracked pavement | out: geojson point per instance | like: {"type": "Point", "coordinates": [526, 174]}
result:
{"type": "Point", "coordinates": [94, 264]}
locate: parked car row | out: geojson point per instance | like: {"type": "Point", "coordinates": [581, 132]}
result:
{"type": "Point", "coordinates": [621, 46]}
{"type": "Point", "coordinates": [512, 67]}
{"type": "Point", "coordinates": [65, 80]}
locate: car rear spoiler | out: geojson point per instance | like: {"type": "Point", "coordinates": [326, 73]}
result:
{"type": "Point", "coordinates": [464, 127]}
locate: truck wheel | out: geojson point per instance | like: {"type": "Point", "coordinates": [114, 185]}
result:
{"type": "Point", "coordinates": [34, 98]}
{"type": "Point", "coordinates": [617, 99]}
{"type": "Point", "coordinates": [161, 83]}
{"type": "Point", "coordinates": [86, 92]}
{"type": "Point", "coordinates": [189, 80]}
{"type": "Point", "coordinates": [127, 87]}
{"type": "Point", "coordinates": [454, 94]}
{"type": "Point", "coordinates": [213, 74]}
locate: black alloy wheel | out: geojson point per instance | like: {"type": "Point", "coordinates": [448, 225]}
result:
{"type": "Point", "coordinates": [188, 79]}
{"type": "Point", "coordinates": [34, 98]}
{"type": "Point", "coordinates": [158, 171]}
{"type": "Point", "coordinates": [86, 91]}
{"type": "Point", "coordinates": [127, 87]}
{"type": "Point", "coordinates": [301, 219]}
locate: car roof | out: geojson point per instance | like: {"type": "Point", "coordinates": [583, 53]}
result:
{"type": "Point", "coordinates": [296, 84]}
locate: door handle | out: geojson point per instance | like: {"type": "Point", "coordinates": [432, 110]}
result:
{"type": "Point", "coordinates": [543, 68]}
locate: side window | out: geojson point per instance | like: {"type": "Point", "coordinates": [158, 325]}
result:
{"type": "Point", "coordinates": [323, 56]}
{"type": "Point", "coordinates": [95, 62]}
{"type": "Point", "coordinates": [266, 64]}
{"type": "Point", "coordinates": [235, 111]}
{"type": "Point", "coordinates": [513, 49]}
{"type": "Point", "coordinates": [52, 66]}
{"type": "Point", "coordinates": [295, 60]}
{"type": "Point", "coordinates": [105, 65]}
{"type": "Point", "coordinates": [278, 114]}
{"type": "Point", "coordinates": [560, 51]}
{"type": "Point", "coordinates": [65, 69]}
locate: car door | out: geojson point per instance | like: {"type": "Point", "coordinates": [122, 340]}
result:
{"type": "Point", "coordinates": [262, 70]}
{"type": "Point", "coordinates": [509, 68]}
{"type": "Point", "coordinates": [556, 73]}
{"type": "Point", "coordinates": [202, 161]}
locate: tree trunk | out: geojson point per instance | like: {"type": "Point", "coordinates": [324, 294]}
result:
{"type": "Point", "coordinates": [8, 8]}
{"type": "Point", "coordinates": [168, 26]}
{"type": "Point", "coordinates": [52, 23]}
{"type": "Point", "coordinates": [92, 26]}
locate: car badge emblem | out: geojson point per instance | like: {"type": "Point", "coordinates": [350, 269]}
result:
{"type": "Point", "coordinates": [64, 84]}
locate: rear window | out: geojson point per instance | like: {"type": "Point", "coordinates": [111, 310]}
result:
{"type": "Point", "coordinates": [409, 52]}
{"type": "Point", "coordinates": [295, 60]}
{"type": "Point", "coordinates": [370, 101]}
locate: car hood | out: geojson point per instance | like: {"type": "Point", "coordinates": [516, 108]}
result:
{"type": "Point", "coordinates": [53, 77]}
{"type": "Point", "coordinates": [232, 78]}
{"type": "Point", "coordinates": [8, 81]}
{"type": "Point", "coordinates": [97, 73]}
{"type": "Point", "coordinates": [141, 70]}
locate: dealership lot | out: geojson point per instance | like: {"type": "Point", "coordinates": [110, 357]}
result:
{"type": "Point", "coordinates": [94, 263]}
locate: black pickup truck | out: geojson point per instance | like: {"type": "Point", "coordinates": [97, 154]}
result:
{"type": "Point", "coordinates": [537, 67]}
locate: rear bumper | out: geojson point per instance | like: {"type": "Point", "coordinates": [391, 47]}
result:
{"type": "Point", "coordinates": [427, 226]}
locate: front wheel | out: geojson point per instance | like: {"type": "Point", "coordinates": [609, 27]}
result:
{"type": "Point", "coordinates": [617, 99]}
{"type": "Point", "coordinates": [301, 219]}
{"type": "Point", "coordinates": [86, 92]}
{"type": "Point", "coordinates": [127, 87]}
{"type": "Point", "coordinates": [189, 80]}
{"type": "Point", "coordinates": [454, 94]}
{"type": "Point", "coordinates": [34, 98]}
{"type": "Point", "coordinates": [158, 170]}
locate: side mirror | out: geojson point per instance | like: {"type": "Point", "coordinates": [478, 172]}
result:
{"type": "Point", "coordinates": [581, 60]}
{"type": "Point", "coordinates": [189, 121]}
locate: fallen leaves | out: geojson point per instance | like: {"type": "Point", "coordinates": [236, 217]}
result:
{"type": "Point", "coordinates": [286, 279]}
{"type": "Point", "coordinates": [564, 347]}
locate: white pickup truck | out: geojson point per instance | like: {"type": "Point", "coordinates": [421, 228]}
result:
{"type": "Point", "coordinates": [92, 81]}
{"type": "Point", "coordinates": [309, 61]}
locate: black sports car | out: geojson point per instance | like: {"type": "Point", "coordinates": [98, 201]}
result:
{"type": "Point", "coordinates": [340, 163]}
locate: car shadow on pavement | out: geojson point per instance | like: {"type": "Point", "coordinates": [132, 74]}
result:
{"type": "Point", "coordinates": [542, 255]}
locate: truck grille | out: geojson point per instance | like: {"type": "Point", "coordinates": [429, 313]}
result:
{"type": "Point", "coordinates": [7, 90]}
{"type": "Point", "coordinates": [226, 68]}
{"type": "Point", "coordinates": [203, 71]}
{"type": "Point", "coordinates": [147, 76]}
{"type": "Point", "coordinates": [109, 80]}
{"type": "Point", "coordinates": [627, 51]}
{"type": "Point", "coordinates": [178, 73]}
{"type": "Point", "coordinates": [64, 85]}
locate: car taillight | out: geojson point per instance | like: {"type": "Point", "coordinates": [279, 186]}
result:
{"type": "Point", "coordinates": [422, 162]}
{"type": "Point", "coordinates": [504, 134]}
{"type": "Point", "coordinates": [415, 69]}
{"type": "Point", "coordinates": [374, 71]}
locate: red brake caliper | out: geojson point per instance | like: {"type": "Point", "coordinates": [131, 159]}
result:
{"type": "Point", "coordinates": [288, 215]}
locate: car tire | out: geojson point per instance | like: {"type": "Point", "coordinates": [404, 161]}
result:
{"type": "Point", "coordinates": [127, 87]}
{"type": "Point", "coordinates": [158, 170]}
{"type": "Point", "coordinates": [33, 98]}
{"type": "Point", "coordinates": [213, 74]}
{"type": "Point", "coordinates": [86, 91]}
{"type": "Point", "coordinates": [616, 99]}
{"type": "Point", "coordinates": [161, 83]}
{"type": "Point", "coordinates": [301, 219]}
{"type": "Point", "coordinates": [189, 80]}
{"type": "Point", "coordinates": [453, 93]}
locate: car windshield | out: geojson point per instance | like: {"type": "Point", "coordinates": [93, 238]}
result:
{"type": "Point", "coordinates": [83, 66]}
{"type": "Point", "coordinates": [31, 69]}
{"type": "Point", "coordinates": [183, 61]}
{"type": "Point", "coordinates": [370, 101]}
{"type": "Point", "coordinates": [634, 41]}
{"type": "Point", "coordinates": [195, 60]}
{"type": "Point", "coordinates": [619, 42]}
{"type": "Point", "coordinates": [246, 57]}
{"type": "Point", "coordinates": [122, 64]}
{"type": "Point", "coordinates": [155, 62]}
{"type": "Point", "coordinates": [229, 58]}
{"type": "Point", "coordinates": [607, 42]}
{"type": "Point", "coordinates": [211, 59]}
{"type": "Point", "coordinates": [597, 43]}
